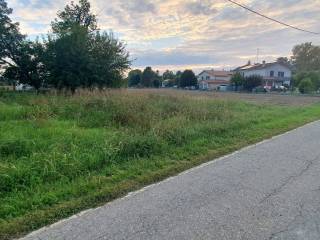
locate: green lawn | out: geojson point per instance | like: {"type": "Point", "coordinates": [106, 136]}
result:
{"type": "Point", "coordinates": [60, 155]}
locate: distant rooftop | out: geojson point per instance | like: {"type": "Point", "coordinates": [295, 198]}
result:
{"type": "Point", "coordinates": [215, 73]}
{"type": "Point", "coordinates": [263, 65]}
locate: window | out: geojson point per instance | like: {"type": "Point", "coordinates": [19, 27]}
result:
{"type": "Point", "coordinates": [280, 74]}
{"type": "Point", "coordinates": [207, 77]}
{"type": "Point", "coordinates": [271, 73]}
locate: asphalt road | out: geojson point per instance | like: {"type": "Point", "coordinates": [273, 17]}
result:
{"type": "Point", "coordinates": [267, 191]}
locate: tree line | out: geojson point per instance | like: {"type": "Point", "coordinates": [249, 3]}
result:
{"type": "Point", "coordinates": [75, 54]}
{"type": "Point", "coordinates": [149, 78]}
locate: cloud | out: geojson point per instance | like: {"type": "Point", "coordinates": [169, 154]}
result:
{"type": "Point", "coordinates": [199, 8]}
{"type": "Point", "coordinates": [138, 6]}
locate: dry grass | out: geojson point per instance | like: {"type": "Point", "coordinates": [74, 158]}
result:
{"type": "Point", "coordinates": [261, 99]}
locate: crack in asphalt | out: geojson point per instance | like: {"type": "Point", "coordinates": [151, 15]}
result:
{"type": "Point", "coordinates": [287, 228]}
{"type": "Point", "coordinates": [289, 180]}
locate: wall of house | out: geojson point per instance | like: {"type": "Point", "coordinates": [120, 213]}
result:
{"type": "Point", "coordinates": [203, 85]}
{"type": "Point", "coordinates": [223, 78]}
{"type": "Point", "coordinates": [204, 75]}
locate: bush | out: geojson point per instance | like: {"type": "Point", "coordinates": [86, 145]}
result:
{"type": "Point", "coordinates": [314, 76]}
{"type": "Point", "coordinates": [306, 86]}
{"type": "Point", "coordinates": [252, 81]}
{"type": "Point", "coordinates": [237, 79]}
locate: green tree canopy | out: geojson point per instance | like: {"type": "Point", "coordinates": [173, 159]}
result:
{"type": "Point", "coordinates": [237, 79]}
{"type": "Point", "coordinates": [78, 55]}
{"type": "Point", "coordinates": [75, 15]}
{"type": "Point", "coordinates": [29, 68]}
{"type": "Point", "coordinates": [283, 60]}
{"type": "Point", "coordinates": [306, 57]}
{"type": "Point", "coordinates": [11, 38]}
{"type": "Point", "coordinates": [314, 76]}
{"type": "Point", "coordinates": [306, 86]}
{"type": "Point", "coordinates": [150, 78]}
{"type": "Point", "coordinates": [188, 79]}
{"type": "Point", "coordinates": [68, 60]}
{"type": "Point", "coordinates": [109, 60]}
{"type": "Point", "coordinates": [134, 77]}
{"type": "Point", "coordinates": [168, 75]}
{"type": "Point", "coordinates": [252, 81]}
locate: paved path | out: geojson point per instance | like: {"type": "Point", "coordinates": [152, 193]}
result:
{"type": "Point", "coordinates": [268, 191]}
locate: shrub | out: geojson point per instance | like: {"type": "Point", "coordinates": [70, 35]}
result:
{"type": "Point", "coordinates": [238, 80]}
{"type": "Point", "coordinates": [306, 86]}
{"type": "Point", "coordinates": [314, 76]}
{"type": "Point", "coordinates": [252, 81]}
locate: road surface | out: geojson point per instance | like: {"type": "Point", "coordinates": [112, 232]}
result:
{"type": "Point", "coordinates": [267, 191]}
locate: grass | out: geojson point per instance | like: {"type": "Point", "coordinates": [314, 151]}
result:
{"type": "Point", "coordinates": [60, 155]}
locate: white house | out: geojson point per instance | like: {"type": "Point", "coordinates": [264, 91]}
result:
{"type": "Point", "coordinates": [275, 74]}
{"type": "Point", "coordinates": [213, 80]}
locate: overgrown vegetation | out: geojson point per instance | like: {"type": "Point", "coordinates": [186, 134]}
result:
{"type": "Point", "coordinates": [60, 155]}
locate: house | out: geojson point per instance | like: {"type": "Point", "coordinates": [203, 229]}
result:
{"type": "Point", "coordinates": [275, 74]}
{"type": "Point", "coordinates": [214, 80]}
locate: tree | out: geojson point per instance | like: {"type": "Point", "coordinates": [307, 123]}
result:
{"type": "Point", "coordinates": [169, 78]}
{"type": "Point", "coordinates": [29, 68]}
{"type": "Point", "coordinates": [11, 38]}
{"type": "Point", "coordinates": [238, 80]}
{"type": "Point", "coordinates": [108, 60]}
{"type": "Point", "coordinates": [188, 79]}
{"type": "Point", "coordinates": [78, 55]}
{"type": "Point", "coordinates": [252, 81]}
{"type": "Point", "coordinates": [177, 78]}
{"type": "Point", "coordinates": [148, 76]}
{"type": "Point", "coordinates": [314, 76]}
{"type": "Point", "coordinates": [68, 60]}
{"type": "Point", "coordinates": [283, 60]}
{"type": "Point", "coordinates": [168, 75]}
{"type": "Point", "coordinates": [306, 86]}
{"type": "Point", "coordinates": [306, 57]}
{"type": "Point", "coordinates": [21, 59]}
{"type": "Point", "coordinates": [75, 15]}
{"type": "Point", "coordinates": [134, 77]}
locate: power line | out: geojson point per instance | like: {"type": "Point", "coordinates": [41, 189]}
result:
{"type": "Point", "coordinates": [272, 19]}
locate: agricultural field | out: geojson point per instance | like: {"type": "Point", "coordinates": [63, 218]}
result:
{"type": "Point", "coordinates": [279, 99]}
{"type": "Point", "coordinates": [61, 154]}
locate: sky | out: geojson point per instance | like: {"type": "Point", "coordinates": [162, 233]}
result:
{"type": "Point", "coordinates": [189, 34]}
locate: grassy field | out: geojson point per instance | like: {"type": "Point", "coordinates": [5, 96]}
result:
{"type": "Point", "coordinates": [60, 155]}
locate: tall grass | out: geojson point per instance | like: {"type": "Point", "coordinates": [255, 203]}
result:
{"type": "Point", "coordinates": [61, 154]}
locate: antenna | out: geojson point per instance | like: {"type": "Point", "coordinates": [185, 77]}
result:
{"type": "Point", "coordinates": [258, 53]}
